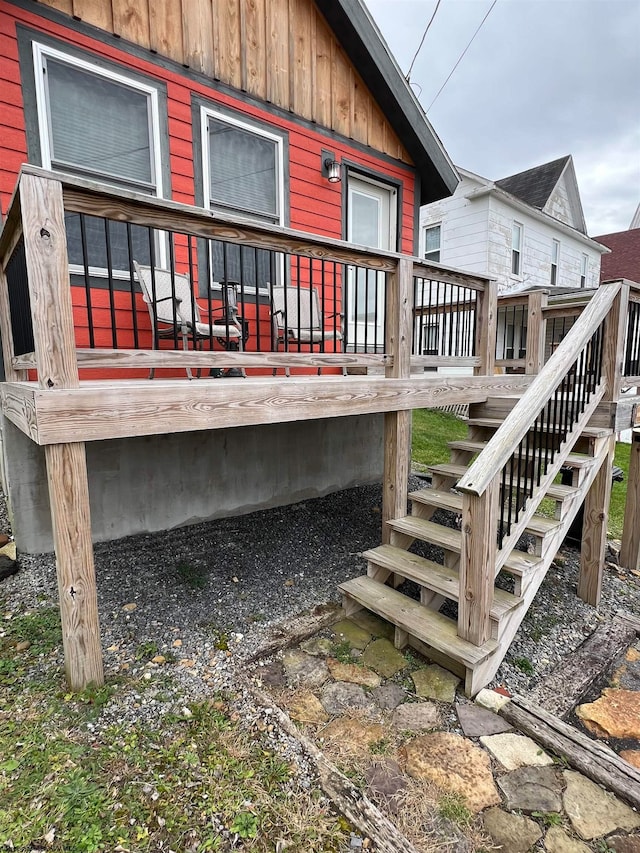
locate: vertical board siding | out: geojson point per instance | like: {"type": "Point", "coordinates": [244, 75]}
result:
{"type": "Point", "coordinates": [282, 51]}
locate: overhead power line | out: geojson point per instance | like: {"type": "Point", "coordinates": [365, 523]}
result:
{"type": "Point", "coordinates": [424, 35]}
{"type": "Point", "coordinates": [461, 57]}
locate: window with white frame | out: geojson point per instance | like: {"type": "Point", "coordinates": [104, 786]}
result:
{"type": "Point", "coordinates": [432, 238]}
{"type": "Point", "coordinates": [584, 270]}
{"type": "Point", "coordinates": [555, 260]}
{"type": "Point", "coordinates": [430, 337]}
{"type": "Point", "coordinates": [516, 249]}
{"type": "Point", "coordinates": [243, 170]}
{"type": "Point", "coordinates": [100, 124]}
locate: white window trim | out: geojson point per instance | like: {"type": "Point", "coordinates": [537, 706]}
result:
{"type": "Point", "coordinates": [205, 114]}
{"type": "Point", "coordinates": [519, 275]}
{"type": "Point", "coordinates": [555, 263]}
{"type": "Point", "coordinates": [40, 53]}
{"type": "Point", "coordinates": [584, 270]}
{"type": "Point", "coordinates": [425, 228]}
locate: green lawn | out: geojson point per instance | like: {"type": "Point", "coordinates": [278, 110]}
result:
{"type": "Point", "coordinates": [432, 429]}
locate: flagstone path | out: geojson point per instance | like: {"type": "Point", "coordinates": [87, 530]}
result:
{"type": "Point", "coordinates": [395, 720]}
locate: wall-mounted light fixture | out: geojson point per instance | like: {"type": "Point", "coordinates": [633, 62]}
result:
{"type": "Point", "coordinates": [330, 167]}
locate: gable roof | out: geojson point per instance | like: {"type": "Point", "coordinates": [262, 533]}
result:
{"type": "Point", "coordinates": [534, 186]}
{"type": "Point", "coordinates": [365, 46]}
{"type": "Point", "coordinates": [624, 258]}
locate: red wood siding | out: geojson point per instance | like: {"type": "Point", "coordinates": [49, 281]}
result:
{"type": "Point", "coordinates": [315, 205]}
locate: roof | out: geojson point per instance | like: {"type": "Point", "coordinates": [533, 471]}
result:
{"type": "Point", "coordinates": [534, 186]}
{"type": "Point", "coordinates": [366, 48]}
{"type": "Point", "coordinates": [624, 258]}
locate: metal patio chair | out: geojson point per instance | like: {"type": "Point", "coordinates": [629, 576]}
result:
{"type": "Point", "coordinates": [297, 319]}
{"type": "Point", "coordinates": [173, 309]}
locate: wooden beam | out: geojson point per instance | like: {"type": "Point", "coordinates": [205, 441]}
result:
{"type": "Point", "coordinates": [477, 564]}
{"type": "Point", "coordinates": [630, 549]}
{"type": "Point", "coordinates": [613, 349]}
{"type": "Point", "coordinates": [18, 406]}
{"type": "Point", "coordinates": [69, 498]}
{"type": "Point", "coordinates": [45, 241]}
{"type": "Point", "coordinates": [99, 410]}
{"type": "Point", "coordinates": [594, 529]}
{"type": "Point", "coordinates": [397, 424]}
{"type": "Point", "coordinates": [536, 331]}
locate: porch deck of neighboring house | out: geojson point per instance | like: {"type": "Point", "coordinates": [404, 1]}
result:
{"type": "Point", "coordinates": [79, 342]}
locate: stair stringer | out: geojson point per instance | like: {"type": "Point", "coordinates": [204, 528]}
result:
{"type": "Point", "coordinates": [480, 675]}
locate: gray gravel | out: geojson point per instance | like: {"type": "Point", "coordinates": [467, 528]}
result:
{"type": "Point", "coordinates": [236, 579]}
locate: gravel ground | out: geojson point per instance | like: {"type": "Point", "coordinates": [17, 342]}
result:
{"type": "Point", "coordinates": [232, 581]}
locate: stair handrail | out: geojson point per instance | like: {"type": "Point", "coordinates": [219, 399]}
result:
{"type": "Point", "coordinates": [507, 437]}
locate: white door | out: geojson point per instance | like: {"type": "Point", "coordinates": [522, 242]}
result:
{"type": "Point", "coordinates": [371, 222]}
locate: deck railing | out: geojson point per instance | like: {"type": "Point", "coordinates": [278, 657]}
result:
{"type": "Point", "coordinates": [85, 260]}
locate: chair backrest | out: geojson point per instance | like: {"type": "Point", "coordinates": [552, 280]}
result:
{"type": "Point", "coordinates": [300, 311]}
{"type": "Point", "coordinates": [165, 286]}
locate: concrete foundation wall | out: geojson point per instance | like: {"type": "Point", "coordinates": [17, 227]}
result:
{"type": "Point", "coordinates": [142, 485]}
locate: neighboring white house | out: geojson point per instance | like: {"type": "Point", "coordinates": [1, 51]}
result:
{"type": "Point", "coordinates": [527, 230]}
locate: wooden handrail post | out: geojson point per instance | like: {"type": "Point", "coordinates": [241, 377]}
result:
{"type": "Point", "coordinates": [614, 333]}
{"type": "Point", "coordinates": [54, 339]}
{"type": "Point", "coordinates": [477, 564]}
{"type": "Point", "coordinates": [536, 331]}
{"type": "Point", "coordinates": [630, 547]}
{"type": "Point", "coordinates": [397, 425]}
{"type": "Point", "coordinates": [486, 326]}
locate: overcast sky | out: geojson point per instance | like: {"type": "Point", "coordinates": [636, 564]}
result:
{"type": "Point", "coordinates": [543, 78]}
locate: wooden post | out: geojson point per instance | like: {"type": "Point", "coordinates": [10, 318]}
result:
{"type": "Point", "coordinates": [630, 550]}
{"type": "Point", "coordinates": [54, 339]}
{"type": "Point", "coordinates": [486, 324]}
{"type": "Point", "coordinates": [536, 331]}
{"type": "Point", "coordinates": [594, 531]}
{"type": "Point", "coordinates": [397, 425]}
{"type": "Point", "coordinates": [614, 334]}
{"type": "Point", "coordinates": [477, 564]}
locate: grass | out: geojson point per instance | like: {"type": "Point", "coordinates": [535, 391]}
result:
{"type": "Point", "coordinates": [198, 780]}
{"type": "Point", "coordinates": [432, 429]}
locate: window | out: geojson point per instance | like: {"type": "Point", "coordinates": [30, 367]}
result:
{"type": "Point", "coordinates": [516, 249]}
{"type": "Point", "coordinates": [99, 124]}
{"type": "Point", "coordinates": [584, 269]}
{"type": "Point", "coordinates": [430, 337]}
{"type": "Point", "coordinates": [432, 243]}
{"type": "Point", "coordinates": [243, 168]}
{"type": "Point", "coordinates": [555, 259]}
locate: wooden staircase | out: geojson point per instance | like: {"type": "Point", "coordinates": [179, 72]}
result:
{"type": "Point", "coordinates": [522, 557]}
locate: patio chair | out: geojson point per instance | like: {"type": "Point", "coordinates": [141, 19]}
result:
{"type": "Point", "coordinates": [297, 319]}
{"type": "Point", "coordinates": [173, 309]}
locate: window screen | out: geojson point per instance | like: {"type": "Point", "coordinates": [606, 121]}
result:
{"type": "Point", "coordinates": [432, 243]}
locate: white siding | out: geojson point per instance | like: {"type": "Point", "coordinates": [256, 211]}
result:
{"type": "Point", "coordinates": [559, 204]}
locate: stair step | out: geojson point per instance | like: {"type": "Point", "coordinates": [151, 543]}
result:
{"type": "Point", "coordinates": [438, 498]}
{"type": "Point", "coordinates": [494, 423]}
{"type": "Point", "coordinates": [435, 577]}
{"type": "Point", "coordinates": [520, 564]}
{"type": "Point", "coordinates": [427, 625]}
{"type": "Point", "coordinates": [573, 460]}
{"type": "Point", "coordinates": [448, 469]}
{"type": "Point", "coordinates": [428, 531]}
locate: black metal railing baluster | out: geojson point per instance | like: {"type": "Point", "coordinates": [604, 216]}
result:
{"type": "Point", "coordinates": [87, 279]}
{"type": "Point", "coordinates": [134, 312]}
{"type": "Point", "coordinates": [112, 303]}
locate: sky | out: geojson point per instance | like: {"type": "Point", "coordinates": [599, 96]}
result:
{"type": "Point", "coordinates": [541, 79]}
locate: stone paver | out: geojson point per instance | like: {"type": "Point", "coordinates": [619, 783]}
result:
{"type": "Point", "coordinates": [382, 657]}
{"type": "Point", "coordinates": [305, 707]}
{"type": "Point", "coordinates": [375, 626]}
{"type": "Point", "coordinates": [532, 789]}
{"type": "Point", "coordinates": [454, 764]}
{"type": "Point", "coordinates": [416, 717]}
{"type": "Point", "coordinates": [386, 782]}
{"type": "Point", "coordinates": [389, 696]}
{"type": "Point", "coordinates": [624, 843]}
{"type": "Point", "coordinates": [557, 841]}
{"type": "Point", "coordinates": [631, 756]}
{"type": "Point", "coordinates": [514, 750]}
{"type": "Point", "coordinates": [477, 721]}
{"type": "Point", "coordinates": [305, 670]}
{"type": "Point", "coordinates": [317, 646]}
{"type": "Point", "coordinates": [353, 737]}
{"type": "Point", "coordinates": [490, 700]}
{"type": "Point", "coordinates": [348, 631]}
{"type": "Point", "coordinates": [616, 712]}
{"type": "Point", "coordinates": [511, 833]}
{"type": "Point", "coordinates": [340, 696]}
{"type": "Point", "coordinates": [272, 674]}
{"type": "Point", "coordinates": [353, 673]}
{"type": "Point", "coordinates": [594, 812]}
{"type": "Point", "coordinates": [434, 682]}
